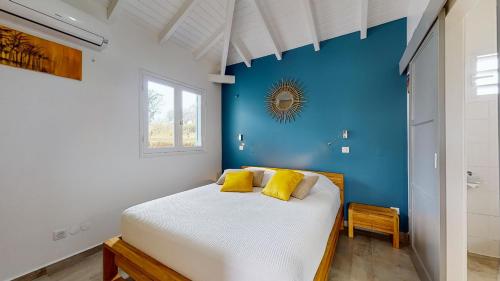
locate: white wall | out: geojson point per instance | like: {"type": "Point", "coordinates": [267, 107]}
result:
{"type": "Point", "coordinates": [416, 9]}
{"type": "Point", "coordinates": [69, 150]}
{"type": "Point", "coordinates": [482, 136]}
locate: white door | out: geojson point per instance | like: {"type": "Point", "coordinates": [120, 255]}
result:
{"type": "Point", "coordinates": [427, 157]}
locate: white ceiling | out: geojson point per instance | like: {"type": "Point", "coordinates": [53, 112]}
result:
{"type": "Point", "coordinates": [287, 21]}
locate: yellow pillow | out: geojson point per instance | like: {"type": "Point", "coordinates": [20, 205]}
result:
{"type": "Point", "coordinates": [282, 184]}
{"type": "Point", "coordinates": [238, 182]}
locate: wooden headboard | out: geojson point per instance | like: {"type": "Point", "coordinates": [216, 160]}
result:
{"type": "Point", "coordinates": [336, 178]}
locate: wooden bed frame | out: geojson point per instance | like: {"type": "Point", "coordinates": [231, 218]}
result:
{"type": "Point", "coordinates": [141, 267]}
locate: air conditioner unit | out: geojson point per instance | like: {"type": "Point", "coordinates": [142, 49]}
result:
{"type": "Point", "coordinates": [61, 17]}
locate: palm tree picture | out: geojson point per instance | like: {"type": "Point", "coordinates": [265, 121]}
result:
{"type": "Point", "coordinates": [19, 49]}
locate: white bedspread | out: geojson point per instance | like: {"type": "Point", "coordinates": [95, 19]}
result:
{"type": "Point", "coordinates": [205, 234]}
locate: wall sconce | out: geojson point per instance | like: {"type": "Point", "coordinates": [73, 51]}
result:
{"type": "Point", "coordinates": [242, 144]}
{"type": "Point", "coordinates": [344, 135]}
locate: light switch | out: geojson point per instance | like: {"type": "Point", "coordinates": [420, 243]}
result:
{"type": "Point", "coordinates": [345, 149]}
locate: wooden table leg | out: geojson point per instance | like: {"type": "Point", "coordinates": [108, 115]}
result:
{"type": "Point", "coordinates": [351, 224]}
{"type": "Point", "coordinates": [395, 236]}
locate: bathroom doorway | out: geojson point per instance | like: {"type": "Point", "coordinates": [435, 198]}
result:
{"type": "Point", "coordinates": [481, 142]}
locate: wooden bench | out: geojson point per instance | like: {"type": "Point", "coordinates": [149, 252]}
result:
{"type": "Point", "coordinates": [373, 218]}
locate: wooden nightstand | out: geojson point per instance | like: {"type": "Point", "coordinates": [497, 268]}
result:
{"type": "Point", "coordinates": [378, 219]}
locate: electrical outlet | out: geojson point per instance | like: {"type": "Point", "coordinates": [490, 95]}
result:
{"type": "Point", "coordinates": [345, 150]}
{"type": "Point", "coordinates": [59, 234]}
{"type": "Point", "coordinates": [395, 208]}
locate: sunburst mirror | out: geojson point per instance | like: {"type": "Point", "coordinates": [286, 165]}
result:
{"type": "Point", "coordinates": [285, 100]}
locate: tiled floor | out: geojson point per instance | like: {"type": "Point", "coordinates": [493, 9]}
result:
{"type": "Point", "coordinates": [480, 268]}
{"type": "Point", "coordinates": [362, 259]}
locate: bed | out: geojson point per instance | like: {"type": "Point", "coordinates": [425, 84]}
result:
{"type": "Point", "coordinates": [203, 234]}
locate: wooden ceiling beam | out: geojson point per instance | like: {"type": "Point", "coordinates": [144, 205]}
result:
{"type": "Point", "coordinates": [227, 34]}
{"type": "Point", "coordinates": [242, 50]}
{"type": "Point", "coordinates": [363, 24]}
{"type": "Point", "coordinates": [112, 8]}
{"type": "Point", "coordinates": [209, 43]}
{"type": "Point", "coordinates": [177, 20]}
{"type": "Point", "coordinates": [265, 21]}
{"type": "Point", "coordinates": [221, 79]}
{"type": "Point", "coordinates": [237, 44]}
{"type": "Point", "coordinates": [311, 23]}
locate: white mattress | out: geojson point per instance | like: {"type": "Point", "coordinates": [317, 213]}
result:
{"type": "Point", "coordinates": [205, 234]}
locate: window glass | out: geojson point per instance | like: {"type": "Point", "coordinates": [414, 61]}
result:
{"type": "Point", "coordinates": [191, 108]}
{"type": "Point", "coordinates": [161, 114]}
{"type": "Point", "coordinates": [485, 79]}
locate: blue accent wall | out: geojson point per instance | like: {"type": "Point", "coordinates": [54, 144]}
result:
{"type": "Point", "coordinates": [349, 84]}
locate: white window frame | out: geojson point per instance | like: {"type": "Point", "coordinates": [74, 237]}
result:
{"type": "Point", "coordinates": [470, 67]}
{"type": "Point", "coordinates": [179, 87]}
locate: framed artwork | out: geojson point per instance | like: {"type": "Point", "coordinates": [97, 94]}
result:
{"type": "Point", "coordinates": [19, 49]}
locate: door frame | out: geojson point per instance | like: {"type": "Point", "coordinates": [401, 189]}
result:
{"type": "Point", "coordinates": [456, 88]}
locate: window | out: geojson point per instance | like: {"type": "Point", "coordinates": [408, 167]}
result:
{"type": "Point", "coordinates": [172, 116]}
{"type": "Point", "coordinates": [485, 77]}
{"type": "Point", "coordinates": [161, 119]}
{"type": "Point", "coordinates": [191, 118]}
